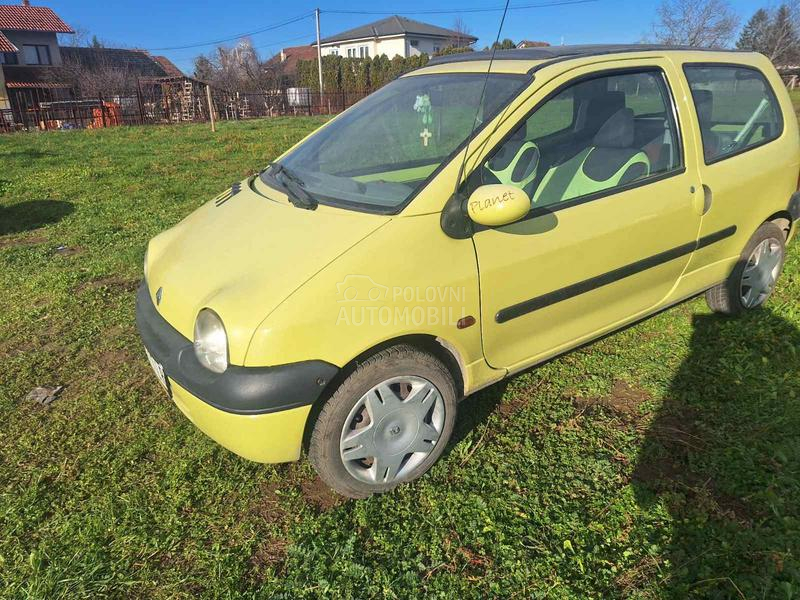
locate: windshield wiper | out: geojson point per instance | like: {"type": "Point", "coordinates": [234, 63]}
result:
{"type": "Point", "coordinates": [295, 187]}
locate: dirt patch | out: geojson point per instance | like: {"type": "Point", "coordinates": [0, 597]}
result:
{"type": "Point", "coordinates": [624, 401]}
{"type": "Point", "coordinates": [520, 397]}
{"type": "Point", "coordinates": [666, 466]}
{"type": "Point", "coordinates": [109, 361]}
{"type": "Point", "coordinates": [510, 406]}
{"type": "Point", "coordinates": [270, 507]}
{"type": "Point", "coordinates": [32, 240]}
{"type": "Point", "coordinates": [677, 431]}
{"type": "Point", "coordinates": [319, 495]}
{"type": "Point", "coordinates": [268, 555]}
{"type": "Point", "coordinates": [113, 284]}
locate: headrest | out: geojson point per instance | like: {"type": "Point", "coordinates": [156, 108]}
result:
{"type": "Point", "coordinates": [704, 102]}
{"type": "Point", "coordinates": [617, 132]}
{"type": "Point", "coordinates": [602, 106]}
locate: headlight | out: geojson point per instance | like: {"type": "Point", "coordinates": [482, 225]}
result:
{"type": "Point", "coordinates": [211, 341]}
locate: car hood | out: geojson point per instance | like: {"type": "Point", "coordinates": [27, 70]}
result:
{"type": "Point", "coordinates": [243, 255]}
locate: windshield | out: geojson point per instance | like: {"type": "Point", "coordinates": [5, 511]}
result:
{"type": "Point", "coordinates": [380, 152]}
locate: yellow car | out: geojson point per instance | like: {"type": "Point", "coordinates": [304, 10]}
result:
{"type": "Point", "coordinates": [471, 219]}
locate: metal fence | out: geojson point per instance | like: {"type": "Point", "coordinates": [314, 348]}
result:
{"type": "Point", "coordinates": [163, 103]}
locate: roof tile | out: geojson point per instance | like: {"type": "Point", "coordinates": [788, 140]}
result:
{"type": "Point", "coordinates": [31, 18]}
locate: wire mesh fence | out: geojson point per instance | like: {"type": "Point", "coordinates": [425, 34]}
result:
{"type": "Point", "coordinates": [163, 102]}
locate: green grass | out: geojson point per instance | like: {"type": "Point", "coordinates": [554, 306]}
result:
{"type": "Point", "coordinates": [663, 461]}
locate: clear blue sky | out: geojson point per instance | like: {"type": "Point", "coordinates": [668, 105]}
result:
{"type": "Point", "coordinates": [153, 24]}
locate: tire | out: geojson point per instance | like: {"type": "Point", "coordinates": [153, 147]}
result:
{"type": "Point", "coordinates": [400, 406]}
{"type": "Point", "coordinates": [733, 296]}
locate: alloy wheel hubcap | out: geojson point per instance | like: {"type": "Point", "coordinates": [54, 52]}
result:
{"type": "Point", "coordinates": [760, 273]}
{"type": "Point", "coordinates": [392, 429]}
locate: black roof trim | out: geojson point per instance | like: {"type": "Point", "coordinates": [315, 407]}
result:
{"type": "Point", "coordinates": [552, 53]}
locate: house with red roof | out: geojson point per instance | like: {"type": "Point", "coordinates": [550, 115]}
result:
{"type": "Point", "coordinates": [28, 46]}
{"type": "Point", "coordinates": [285, 62]}
{"type": "Point", "coordinates": [34, 70]}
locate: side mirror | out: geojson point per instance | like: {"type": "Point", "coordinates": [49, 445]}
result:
{"type": "Point", "coordinates": [498, 204]}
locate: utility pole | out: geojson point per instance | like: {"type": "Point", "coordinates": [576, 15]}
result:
{"type": "Point", "coordinates": [319, 53]}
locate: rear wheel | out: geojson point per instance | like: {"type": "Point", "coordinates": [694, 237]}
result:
{"type": "Point", "coordinates": [386, 424]}
{"type": "Point", "coordinates": [753, 278]}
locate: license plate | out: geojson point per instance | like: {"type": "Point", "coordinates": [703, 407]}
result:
{"type": "Point", "coordinates": [159, 371]}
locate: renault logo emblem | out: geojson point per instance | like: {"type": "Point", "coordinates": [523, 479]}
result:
{"type": "Point", "coordinates": [159, 293]}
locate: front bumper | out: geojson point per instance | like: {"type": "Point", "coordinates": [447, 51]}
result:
{"type": "Point", "coordinates": [267, 438]}
{"type": "Point", "coordinates": [257, 412]}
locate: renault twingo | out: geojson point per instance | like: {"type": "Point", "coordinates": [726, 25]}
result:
{"type": "Point", "coordinates": [459, 225]}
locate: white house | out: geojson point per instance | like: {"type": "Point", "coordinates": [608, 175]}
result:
{"type": "Point", "coordinates": [393, 36]}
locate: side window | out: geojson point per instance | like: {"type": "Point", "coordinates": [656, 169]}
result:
{"type": "Point", "coordinates": [736, 109]}
{"type": "Point", "coordinates": [598, 134]}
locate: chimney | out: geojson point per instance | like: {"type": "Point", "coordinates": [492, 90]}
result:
{"type": "Point", "coordinates": [26, 2]}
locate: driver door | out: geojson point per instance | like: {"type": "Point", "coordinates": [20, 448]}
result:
{"type": "Point", "coordinates": [612, 222]}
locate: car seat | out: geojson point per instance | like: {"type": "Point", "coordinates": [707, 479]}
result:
{"type": "Point", "coordinates": [517, 161]}
{"type": "Point", "coordinates": [611, 160]}
{"type": "Point", "coordinates": [704, 103]}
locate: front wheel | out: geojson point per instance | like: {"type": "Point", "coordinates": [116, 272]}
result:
{"type": "Point", "coordinates": [754, 276]}
{"type": "Point", "coordinates": [387, 423]}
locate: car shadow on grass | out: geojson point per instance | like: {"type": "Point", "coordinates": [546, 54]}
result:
{"type": "Point", "coordinates": [722, 457]}
{"type": "Point", "coordinates": [32, 214]}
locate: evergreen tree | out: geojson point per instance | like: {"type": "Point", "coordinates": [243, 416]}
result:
{"type": "Point", "coordinates": [783, 38]}
{"type": "Point", "coordinates": [203, 69]}
{"type": "Point", "coordinates": [506, 44]}
{"type": "Point", "coordinates": [774, 34]}
{"type": "Point", "coordinates": [755, 34]}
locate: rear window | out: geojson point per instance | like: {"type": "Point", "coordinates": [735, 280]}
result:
{"type": "Point", "coordinates": [736, 108]}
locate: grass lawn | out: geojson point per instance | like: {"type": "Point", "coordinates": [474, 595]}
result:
{"type": "Point", "coordinates": [663, 461]}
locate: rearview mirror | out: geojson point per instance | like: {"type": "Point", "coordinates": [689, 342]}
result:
{"type": "Point", "coordinates": [497, 204]}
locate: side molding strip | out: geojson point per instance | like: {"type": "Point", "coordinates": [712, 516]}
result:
{"type": "Point", "coordinates": [587, 285]}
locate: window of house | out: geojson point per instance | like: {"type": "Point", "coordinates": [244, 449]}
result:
{"type": "Point", "coordinates": [36, 55]}
{"type": "Point", "coordinates": [736, 109]}
{"type": "Point", "coordinates": [335, 51]}
{"type": "Point", "coordinates": [436, 48]}
{"type": "Point", "coordinates": [9, 58]}
{"type": "Point", "coordinates": [351, 53]}
{"type": "Point", "coordinates": [413, 43]}
{"type": "Point", "coordinates": [599, 134]}
{"type": "Point", "coordinates": [363, 51]}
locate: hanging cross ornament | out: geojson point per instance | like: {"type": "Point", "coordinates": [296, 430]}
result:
{"type": "Point", "coordinates": [425, 135]}
{"type": "Point", "coordinates": [422, 105]}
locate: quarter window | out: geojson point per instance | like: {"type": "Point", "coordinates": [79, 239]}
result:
{"type": "Point", "coordinates": [736, 109]}
{"type": "Point", "coordinates": [599, 134]}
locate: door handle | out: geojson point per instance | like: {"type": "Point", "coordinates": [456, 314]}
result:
{"type": "Point", "coordinates": [708, 198]}
{"type": "Point", "coordinates": [701, 203]}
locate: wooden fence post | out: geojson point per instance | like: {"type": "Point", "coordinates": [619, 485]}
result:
{"type": "Point", "coordinates": [210, 109]}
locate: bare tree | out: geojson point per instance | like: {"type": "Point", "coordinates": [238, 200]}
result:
{"type": "Point", "coordinates": [79, 38]}
{"type": "Point", "coordinates": [239, 69]}
{"type": "Point", "coordinates": [98, 78]}
{"type": "Point", "coordinates": [696, 23]}
{"type": "Point", "coordinates": [462, 34]}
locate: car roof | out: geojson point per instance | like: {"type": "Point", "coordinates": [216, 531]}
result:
{"type": "Point", "coordinates": [520, 60]}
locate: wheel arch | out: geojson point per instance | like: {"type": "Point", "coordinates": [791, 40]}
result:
{"type": "Point", "coordinates": [782, 219]}
{"type": "Point", "coordinates": [438, 347]}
